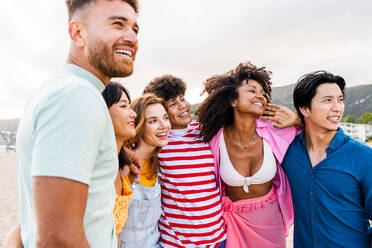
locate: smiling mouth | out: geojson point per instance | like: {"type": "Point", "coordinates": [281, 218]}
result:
{"type": "Point", "coordinates": [334, 118]}
{"type": "Point", "coordinates": [124, 53]}
{"type": "Point", "coordinates": [162, 135]}
{"type": "Point", "coordinates": [258, 103]}
{"type": "Point", "coordinates": [132, 124]}
{"type": "Point", "coordinates": [184, 114]}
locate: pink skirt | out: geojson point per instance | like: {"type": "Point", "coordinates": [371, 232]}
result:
{"type": "Point", "coordinates": [254, 223]}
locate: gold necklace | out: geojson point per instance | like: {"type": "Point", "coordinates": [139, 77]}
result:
{"type": "Point", "coordinates": [252, 141]}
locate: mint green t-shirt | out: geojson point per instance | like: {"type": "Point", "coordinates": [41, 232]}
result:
{"type": "Point", "coordinates": [66, 131]}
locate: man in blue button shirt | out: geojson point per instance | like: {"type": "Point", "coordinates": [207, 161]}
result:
{"type": "Point", "coordinates": [330, 174]}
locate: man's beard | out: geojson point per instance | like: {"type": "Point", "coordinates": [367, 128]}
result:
{"type": "Point", "coordinates": [101, 57]}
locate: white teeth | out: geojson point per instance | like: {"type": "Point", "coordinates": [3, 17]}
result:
{"type": "Point", "coordinates": [258, 103]}
{"type": "Point", "coordinates": [333, 118]}
{"type": "Point", "coordinates": [183, 114]}
{"type": "Point", "coordinates": [124, 52]}
{"type": "Point", "coordinates": [162, 134]}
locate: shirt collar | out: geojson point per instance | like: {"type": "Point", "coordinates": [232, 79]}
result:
{"type": "Point", "coordinates": [301, 136]}
{"type": "Point", "coordinates": [337, 141]}
{"type": "Point", "coordinates": [179, 132]}
{"type": "Point", "coordinates": [80, 72]}
{"type": "Point", "coordinates": [263, 123]}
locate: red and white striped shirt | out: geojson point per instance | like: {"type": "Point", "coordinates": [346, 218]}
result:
{"type": "Point", "coordinates": [191, 202]}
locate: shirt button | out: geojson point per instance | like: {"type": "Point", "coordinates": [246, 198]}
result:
{"type": "Point", "coordinates": [313, 218]}
{"type": "Point", "coordinates": [312, 172]}
{"type": "Point", "coordinates": [311, 193]}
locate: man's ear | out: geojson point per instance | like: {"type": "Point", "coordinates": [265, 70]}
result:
{"type": "Point", "coordinates": [305, 111]}
{"type": "Point", "coordinates": [76, 32]}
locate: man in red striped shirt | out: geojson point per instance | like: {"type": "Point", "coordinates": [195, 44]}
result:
{"type": "Point", "coordinates": [191, 202]}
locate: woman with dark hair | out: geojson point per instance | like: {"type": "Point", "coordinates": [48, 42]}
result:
{"type": "Point", "coordinates": [256, 200]}
{"type": "Point", "coordinates": [123, 119]}
{"type": "Point", "coordinates": [152, 129]}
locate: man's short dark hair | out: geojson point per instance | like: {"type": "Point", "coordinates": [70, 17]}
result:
{"type": "Point", "coordinates": [73, 5]}
{"type": "Point", "coordinates": [166, 87]}
{"type": "Point", "coordinates": [306, 86]}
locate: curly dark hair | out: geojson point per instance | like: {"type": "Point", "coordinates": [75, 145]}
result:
{"type": "Point", "coordinates": [166, 87]}
{"type": "Point", "coordinates": [215, 111]}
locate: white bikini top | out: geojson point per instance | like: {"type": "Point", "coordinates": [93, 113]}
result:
{"type": "Point", "coordinates": [232, 177]}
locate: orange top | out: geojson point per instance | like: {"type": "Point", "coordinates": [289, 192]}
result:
{"type": "Point", "coordinates": [121, 207]}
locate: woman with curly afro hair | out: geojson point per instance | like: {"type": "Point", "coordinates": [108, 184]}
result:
{"type": "Point", "coordinates": [248, 150]}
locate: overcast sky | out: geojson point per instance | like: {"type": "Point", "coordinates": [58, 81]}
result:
{"type": "Point", "coordinates": [194, 39]}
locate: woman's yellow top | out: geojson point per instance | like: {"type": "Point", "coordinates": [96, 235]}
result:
{"type": "Point", "coordinates": [145, 173]}
{"type": "Point", "coordinates": [122, 201]}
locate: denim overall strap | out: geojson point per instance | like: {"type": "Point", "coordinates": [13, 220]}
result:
{"type": "Point", "coordinates": [141, 228]}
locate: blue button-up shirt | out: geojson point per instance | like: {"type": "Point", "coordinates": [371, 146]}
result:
{"type": "Point", "coordinates": [332, 200]}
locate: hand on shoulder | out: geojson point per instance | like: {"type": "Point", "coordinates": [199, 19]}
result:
{"type": "Point", "coordinates": [283, 116]}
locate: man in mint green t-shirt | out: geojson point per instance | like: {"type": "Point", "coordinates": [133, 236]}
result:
{"type": "Point", "coordinates": [66, 149]}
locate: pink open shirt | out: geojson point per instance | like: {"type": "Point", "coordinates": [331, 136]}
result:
{"type": "Point", "coordinates": [279, 141]}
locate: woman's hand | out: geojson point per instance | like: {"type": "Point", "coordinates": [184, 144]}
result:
{"type": "Point", "coordinates": [134, 169]}
{"type": "Point", "coordinates": [283, 116]}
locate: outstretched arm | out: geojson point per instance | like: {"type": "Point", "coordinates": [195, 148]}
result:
{"type": "Point", "coordinates": [59, 207]}
{"type": "Point", "coordinates": [283, 116]}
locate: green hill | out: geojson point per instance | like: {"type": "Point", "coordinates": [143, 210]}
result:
{"type": "Point", "coordinates": [358, 99]}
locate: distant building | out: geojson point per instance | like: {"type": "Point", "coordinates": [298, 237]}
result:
{"type": "Point", "coordinates": [10, 148]}
{"type": "Point", "coordinates": [359, 132]}
{"type": "Point", "coordinates": [7, 141]}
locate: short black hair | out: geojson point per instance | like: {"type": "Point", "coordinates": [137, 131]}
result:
{"type": "Point", "coordinates": [166, 87]}
{"type": "Point", "coordinates": [73, 5]}
{"type": "Point", "coordinates": [306, 86]}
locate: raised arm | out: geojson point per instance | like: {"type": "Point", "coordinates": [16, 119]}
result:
{"type": "Point", "coordinates": [283, 116]}
{"type": "Point", "coordinates": [59, 208]}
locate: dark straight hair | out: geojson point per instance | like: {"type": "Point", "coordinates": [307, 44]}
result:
{"type": "Point", "coordinates": [112, 94]}
{"type": "Point", "coordinates": [306, 86]}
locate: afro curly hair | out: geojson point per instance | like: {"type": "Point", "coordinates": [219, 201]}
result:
{"type": "Point", "coordinates": [166, 87]}
{"type": "Point", "coordinates": [216, 110]}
